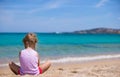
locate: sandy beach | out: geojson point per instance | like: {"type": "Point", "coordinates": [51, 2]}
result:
{"type": "Point", "coordinates": [99, 68]}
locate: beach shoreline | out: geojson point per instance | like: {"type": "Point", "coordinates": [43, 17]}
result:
{"type": "Point", "coordinates": [96, 68]}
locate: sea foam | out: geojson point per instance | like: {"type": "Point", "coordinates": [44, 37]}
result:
{"type": "Point", "coordinates": [78, 59]}
{"type": "Point", "coordinates": [81, 59]}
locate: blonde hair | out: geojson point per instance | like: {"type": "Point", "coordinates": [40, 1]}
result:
{"type": "Point", "coordinates": [30, 40]}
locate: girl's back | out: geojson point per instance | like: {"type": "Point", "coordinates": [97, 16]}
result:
{"type": "Point", "coordinates": [29, 62]}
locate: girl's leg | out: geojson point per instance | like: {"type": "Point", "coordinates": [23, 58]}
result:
{"type": "Point", "coordinates": [15, 68]}
{"type": "Point", "coordinates": [45, 66]}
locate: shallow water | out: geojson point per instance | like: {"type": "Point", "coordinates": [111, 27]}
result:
{"type": "Point", "coordinates": [57, 46]}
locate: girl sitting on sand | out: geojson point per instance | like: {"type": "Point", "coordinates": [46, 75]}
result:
{"type": "Point", "coordinates": [29, 58]}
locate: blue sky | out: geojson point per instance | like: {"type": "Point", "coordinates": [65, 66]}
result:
{"type": "Point", "coordinates": [58, 15]}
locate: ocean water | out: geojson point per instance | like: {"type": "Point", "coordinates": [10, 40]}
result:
{"type": "Point", "coordinates": [62, 47]}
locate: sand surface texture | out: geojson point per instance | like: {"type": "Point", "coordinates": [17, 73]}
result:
{"type": "Point", "coordinates": [101, 68]}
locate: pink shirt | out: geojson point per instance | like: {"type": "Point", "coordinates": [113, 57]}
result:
{"type": "Point", "coordinates": [29, 62]}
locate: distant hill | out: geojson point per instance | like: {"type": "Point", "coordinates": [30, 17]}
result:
{"type": "Point", "coordinates": [99, 31]}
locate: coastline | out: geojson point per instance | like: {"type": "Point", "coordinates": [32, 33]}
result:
{"type": "Point", "coordinates": [67, 59]}
{"type": "Point", "coordinates": [96, 68]}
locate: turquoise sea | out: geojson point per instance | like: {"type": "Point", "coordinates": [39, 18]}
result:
{"type": "Point", "coordinates": [62, 47]}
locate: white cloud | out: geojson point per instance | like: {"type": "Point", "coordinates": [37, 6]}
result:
{"type": "Point", "coordinates": [101, 3]}
{"type": "Point", "coordinates": [53, 5]}
{"type": "Point", "coordinates": [49, 5]}
{"type": "Point", "coordinates": [32, 8]}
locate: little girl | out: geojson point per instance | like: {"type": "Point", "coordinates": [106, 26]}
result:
{"type": "Point", "coordinates": [29, 58]}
